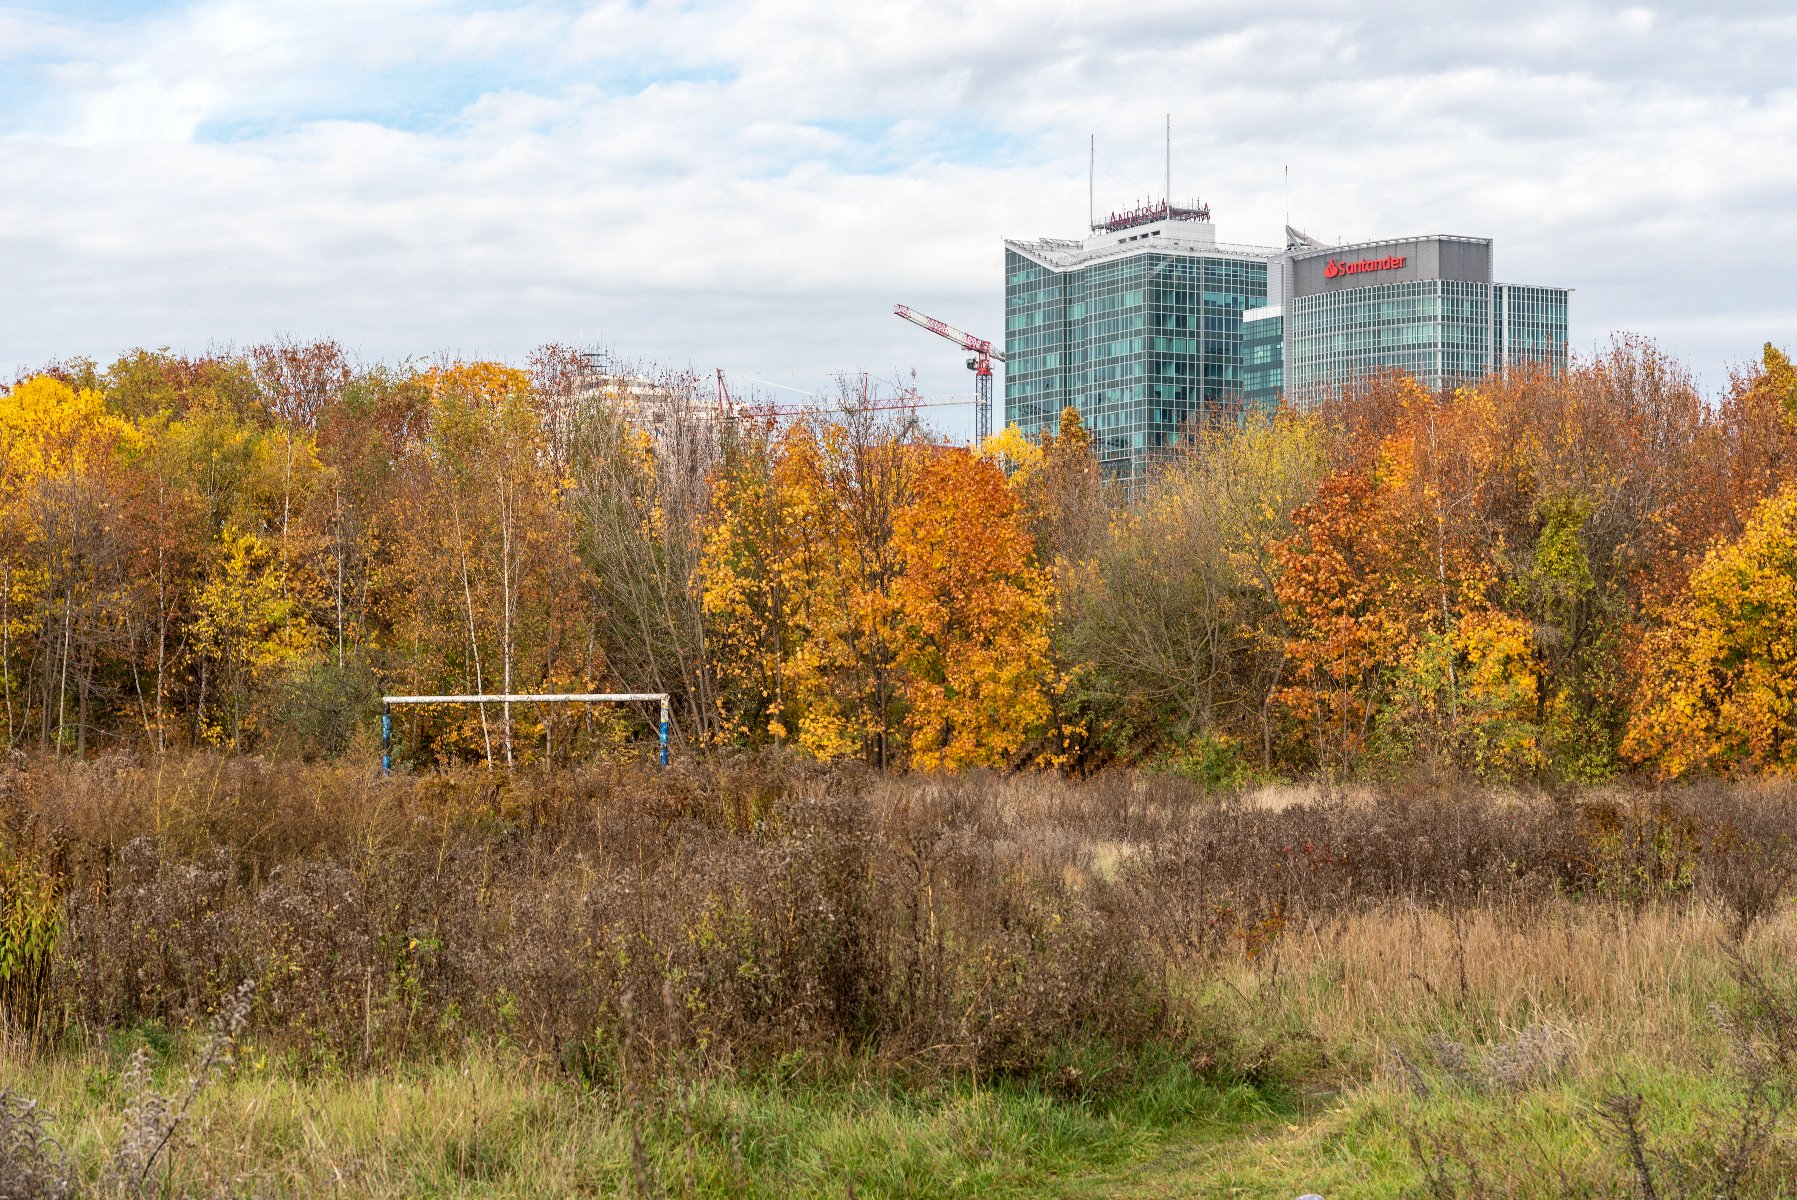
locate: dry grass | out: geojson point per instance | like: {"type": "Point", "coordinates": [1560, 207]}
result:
{"type": "Point", "coordinates": [625, 931]}
{"type": "Point", "coordinates": [1619, 979]}
{"type": "Point", "coordinates": [787, 905]}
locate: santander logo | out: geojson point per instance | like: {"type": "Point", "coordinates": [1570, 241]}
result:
{"type": "Point", "coordinates": [1390, 262]}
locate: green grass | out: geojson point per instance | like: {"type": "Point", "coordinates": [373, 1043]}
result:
{"type": "Point", "coordinates": [1288, 1086]}
{"type": "Point", "coordinates": [492, 1125]}
{"type": "Point", "coordinates": [1545, 1142]}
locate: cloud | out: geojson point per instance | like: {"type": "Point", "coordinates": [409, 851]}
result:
{"type": "Point", "coordinates": [753, 185]}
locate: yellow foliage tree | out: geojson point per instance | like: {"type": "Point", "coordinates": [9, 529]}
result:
{"type": "Point", "coordinates": [1719, 685]}
{"type": "Point", "coordinates": [63, 567]}
{"type": "Point", "coordinates": [245, 631]}
{"type": "Point", "coordinates": [1012, 451]}
{"type": "Point", "coordinates": [798, 574]}
{"type": "Point", "coordinates": [756, 583]}
{"type": "Point", "coordinates": [51, 429]}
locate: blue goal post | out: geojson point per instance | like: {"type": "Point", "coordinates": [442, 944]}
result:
{"type": "Point", "coordinates": [387, 703]}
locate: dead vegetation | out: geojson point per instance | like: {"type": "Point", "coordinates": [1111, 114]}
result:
{"type": "Point", "coordinates": [627, 929]}
{"type": "Point", "coordinates": [972, 923]}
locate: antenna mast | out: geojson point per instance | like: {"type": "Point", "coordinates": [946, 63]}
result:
{"type": "Point", "coordinates": [1168, 194]}
{"type": "Point", "coordinates": [1091, 184]}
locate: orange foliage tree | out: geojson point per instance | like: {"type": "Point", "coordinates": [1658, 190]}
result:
{"type": "Point", "coordinates": [974, 617]}
{"type": "Point", "coordinates": [1397, 645]}
{"type": "Point", "coordinates": [1348, 581]}
{"type": "Point", "coordinates": [482, 584]}
{"type": "Point", "coordinates": [873, 596]}
{"type": "Point", "coordinates": [798, 577]}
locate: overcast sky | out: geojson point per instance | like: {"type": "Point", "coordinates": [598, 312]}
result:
{"type": "Point", "coordinates": [753, 185]}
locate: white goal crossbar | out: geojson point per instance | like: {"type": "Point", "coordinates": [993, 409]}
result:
{"type": "Point", "coordinates": [387, 703]}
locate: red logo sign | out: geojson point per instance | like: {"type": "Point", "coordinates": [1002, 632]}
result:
{"type": "Point", "coordinates": [1390, 262]}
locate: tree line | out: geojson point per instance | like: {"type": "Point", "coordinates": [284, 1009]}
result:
{"type": "Point", "coordinates": [1540, 576]}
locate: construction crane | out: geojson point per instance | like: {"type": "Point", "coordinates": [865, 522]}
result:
{"type": "Point", "coordinates": [980, 365]}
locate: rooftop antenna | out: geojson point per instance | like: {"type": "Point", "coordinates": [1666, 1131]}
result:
{"type": "Point", "coordinates": [1168, 194]}
{"type": "Point", "coordinates": [1091, 185]}
{"type": "Point", "coordinates": [1288, 193]}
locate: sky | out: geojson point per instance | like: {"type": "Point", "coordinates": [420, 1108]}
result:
{"type": "Point", "coordinates": [752, 186]}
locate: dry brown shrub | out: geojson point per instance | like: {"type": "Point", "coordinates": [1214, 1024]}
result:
{"type": "Point", "coordinates": [753, 907]}
{"type": "Point", "coordinates": [748, 908]}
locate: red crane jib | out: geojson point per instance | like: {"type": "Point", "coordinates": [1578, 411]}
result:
{"type": "Point", "coordinates": [943, 329]}
{"type": "Point", "coordinates": [981, 364]}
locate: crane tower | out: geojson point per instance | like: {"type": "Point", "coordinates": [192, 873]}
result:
{"type": "Point", "coordinates": [980, 364]}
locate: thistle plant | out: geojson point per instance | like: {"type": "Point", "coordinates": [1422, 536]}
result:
{"type": "Point", "coordinates": [152, 1119]}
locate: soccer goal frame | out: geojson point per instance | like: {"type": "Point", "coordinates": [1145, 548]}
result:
{"type": "Point", "coordinates": [388, 703]}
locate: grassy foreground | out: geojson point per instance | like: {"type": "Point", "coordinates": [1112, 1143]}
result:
{"type": "Point", "coordinates": [1384, 1053]}
{"type": "Point", "coordinates": [758, 985]}
{"type": "Point", "coordinates": [491, 1126]}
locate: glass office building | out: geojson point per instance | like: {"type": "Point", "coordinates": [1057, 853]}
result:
{"type": "Point", "coordinates": [1139, 327]}
{"type": "Point", "coordinates": [1424, 306]}
{"type": "Point", "coordinates": [1529, 324]}
{"type": "Point", "coordinates": [1263, 355]}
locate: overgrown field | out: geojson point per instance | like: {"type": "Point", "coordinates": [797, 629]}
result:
{"type": "Point", "coordinates": [761, 977]}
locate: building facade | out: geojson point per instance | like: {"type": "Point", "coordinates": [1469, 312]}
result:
{"type": "Point", "coordinates": [1139, 327]}
{"type": "Point", "coordinates": [1426, 306]}
{"type": "Point", "coordinates": [1263, 356]}
{"type": "Point", "coordinates": [1151, 325]}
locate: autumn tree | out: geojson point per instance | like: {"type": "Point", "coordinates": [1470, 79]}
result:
{"type": "Point", "coordinates": [1396, 645]}
{"type": "Point", "coordinates": [1336, 571]}
{"type": "Point", "coordinates": [974, 617]}
{"type": "Point", "coordinates": [217, 449]}
{"type": "Point", "coordinates": [1718, 683]}
{"type": "Point", "coordinates": [66, 565]}
{"type": "Point", "coordinates": [297, 383]}
{"type": "Point", "coordinates": [481, 564]}
{"type": "Point", "coordinates": [1720, 678]}
{"type": "Point", "coordinates": [871, 595]}
{"type": "Point", "coordinates": [1598, 497]}
{"type": "Point", "coordinates": [1172, 620]}
{"type": "Point", "coordinates": [746, 581]}
{"type": "Point", "coordinates": [171, 543]}
{"type": "Point", "coordinates": [1754, 451]}
{"type": "Point", "coordinates": [640, 501]}
{"type": "Point", "coordinates": [1064, 507]}
{"type": "Point", "coordinates": [246, 632]}
{"type": "Point", "coordinates": [142, 383]}
{"type": "Point", "coordinates": [361, 437]}
{"type": "Point", "coordinates": [1058, 484]}
{"type": "Point", "coordinates": [799, 572]}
